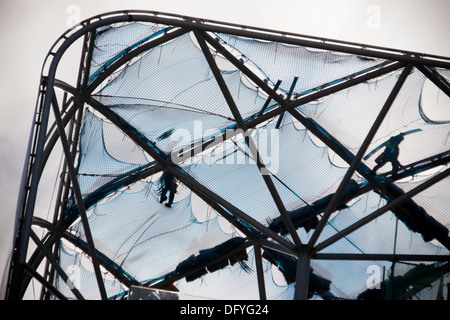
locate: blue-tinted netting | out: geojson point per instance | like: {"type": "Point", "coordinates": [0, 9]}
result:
{"type": "Point", "coordinates": [101, 147]}
{"type": "Point", "coordinates": [351, 113]}
{"type": "Point", "coordinates": [313, 67]}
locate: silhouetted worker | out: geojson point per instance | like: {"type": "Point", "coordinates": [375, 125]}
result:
{"type": "Point", "coordinates": [390, 154]}
{"type": "Point", "coordinates": [167, 183]}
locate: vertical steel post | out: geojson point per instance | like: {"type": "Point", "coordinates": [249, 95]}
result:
{"type": "Point", "coordinates": [302, 275]}
{"type": "Point", "coordinates": [260, 272]}
{"type": "Point", "coordinates": [181, 175]}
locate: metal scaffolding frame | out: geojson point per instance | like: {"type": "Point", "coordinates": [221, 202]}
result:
{"type": "Point", "coordinates": [66, 127]}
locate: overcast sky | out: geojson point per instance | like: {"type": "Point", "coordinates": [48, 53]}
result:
{"type": "Point", "coordinates": [28, 28]}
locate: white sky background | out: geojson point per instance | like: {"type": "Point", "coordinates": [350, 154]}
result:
{"type": "Point", "coordinates": [28, 28]}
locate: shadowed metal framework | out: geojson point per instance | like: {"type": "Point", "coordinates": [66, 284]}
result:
{"type": "Point", "coordinates": [290, 240]}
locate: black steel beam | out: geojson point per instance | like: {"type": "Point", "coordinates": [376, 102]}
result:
{"type": "Point", "coordinates": [195, 185]}
{"type": "Point", "coordinates": [34, 164]}
{"type": "Point", "coordinates": [302, 275]}
{"type": "Point", "coordinates": [260, 272]}
{"type": "Point", "coordinates": [362, 50]}
{"type": "Point", "coordinates": [86, 59]}
{"type": "Point", "coordinates": [63, 182]}
{"type": "Point", "coordinates": [357, 159]}
{"type": "Point", "coordinates": [240, 121]}
{"type": "Point", "coordinates": [346, 83]}
{"type": "Point", "coordinates": [64, 222]}
{"type": "Point", "coordinates": [54, 136]}
{"type": "Point", "coordinates": [67, 115]}
{"type": "Point", "coordinates": [78, 197]}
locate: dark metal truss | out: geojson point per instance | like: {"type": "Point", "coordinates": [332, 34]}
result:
{"type": "Point", "coordinates": [68, 114]}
